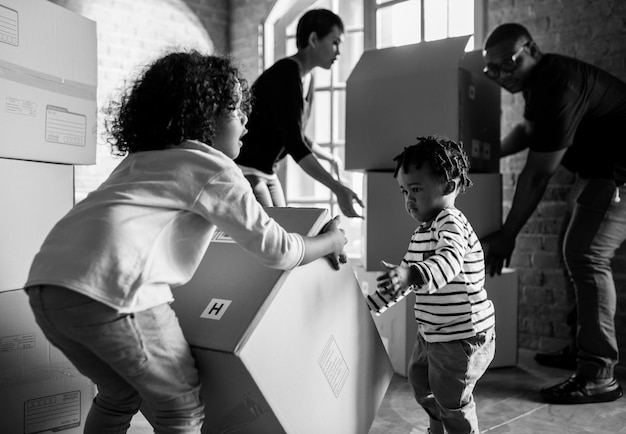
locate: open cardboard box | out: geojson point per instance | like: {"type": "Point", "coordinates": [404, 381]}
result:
{"type": "Point", "coordinates": [282, 351]}
{"type": "Point", "coordinates": [395, 94]}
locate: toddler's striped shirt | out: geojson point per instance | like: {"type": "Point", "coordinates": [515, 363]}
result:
{"type": "Point", "coordinates": [452, 302]}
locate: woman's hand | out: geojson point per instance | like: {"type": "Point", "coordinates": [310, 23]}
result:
{"type": "Point", "coordinates": [346, 199]}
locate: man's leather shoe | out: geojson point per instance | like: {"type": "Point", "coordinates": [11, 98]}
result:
{"type": "Point", "coordinates": [579, 390]}
{"type": "Point", "coordinates": [564, 358]}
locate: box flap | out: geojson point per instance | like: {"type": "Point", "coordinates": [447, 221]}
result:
{"type": "Point", "coordinates": [230, 288]}
{"type": "Point", "coordinates": [412, 60]}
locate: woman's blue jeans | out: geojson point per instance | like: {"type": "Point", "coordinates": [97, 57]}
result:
{"type": "Point", "coordinates": [596, 230]}
{"type": "Point", "coordinates": [130, 357]}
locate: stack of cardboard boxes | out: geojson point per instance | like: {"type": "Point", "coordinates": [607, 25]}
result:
{"type": "Point", "coordinates": [48, 78]}
{"type": "Point", "coordinates": [393, 96]}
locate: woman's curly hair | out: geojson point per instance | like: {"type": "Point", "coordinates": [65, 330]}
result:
{"type": "Point", "coordinates": [446, 158]}
{"type": "Point", "coordinates": [180, 96]}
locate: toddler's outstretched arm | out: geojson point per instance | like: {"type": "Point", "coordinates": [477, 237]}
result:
{"type": "Point", "coordinates": [393, 286]}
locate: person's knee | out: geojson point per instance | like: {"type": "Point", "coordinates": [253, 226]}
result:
{"type": "Point", "coordinates": [128, 403]}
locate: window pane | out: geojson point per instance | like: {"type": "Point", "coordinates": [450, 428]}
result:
{"type": "Point", "coordinates": [339, 116]}
{"type": "Point", "coordinates": [435, 19]}
{"type": "Point", "coordinates": [290, 48]}
{"type": "Point", "coordinates": [398, 24]}
{"type": "Point", "coordinates": [321, 117]}
{"type": "Point", "coordinates": [301, 187]}
{"type": "Point", "coordinates": [349, 54]}
{"type": "Point", "coordinates": [322, 76]}
{"type": "Point", "coordinates": [351, 13]}
{"type": "Point", "coordinates": [461, 17]}
{"type": "Point", "coordinates": [290, 30]}
{"type": "Point", "coordinates": [353, 227]}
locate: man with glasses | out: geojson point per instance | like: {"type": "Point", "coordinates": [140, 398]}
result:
{"type": "Point", "coordinates": [574, 115]}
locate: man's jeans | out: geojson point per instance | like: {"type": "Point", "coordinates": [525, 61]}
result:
{"type": "Point", "coordinates": [443, 375]}
{"type": "Point", "coordinates": [596, 230]}
{"type": "Point", "coordinates": [130, 358]}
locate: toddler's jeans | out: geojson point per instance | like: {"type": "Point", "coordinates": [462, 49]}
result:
{"type": "Point", "coordinates": [443, 375]}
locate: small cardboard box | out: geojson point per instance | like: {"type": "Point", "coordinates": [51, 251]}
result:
{"type": "Point", "coordinates": [48, 81]}
{"type": "Point", "coordinates": [395, 94]}
{"type": "Point", "coordinates": [47, 399]}
{"type": "Point", "coordinates": [398, 328]}
{"type": "Point", "coordinates": [34, 197]}
{"type": "Point", "coordinates": [387, 227]}
{"type": "Point", "coordinates": [282, 351]}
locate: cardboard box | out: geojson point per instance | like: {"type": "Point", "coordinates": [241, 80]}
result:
{"type": "Point", "coordinates": [40, 390]}
{"type": "Point", "coordinates": [48, 81]}
{"type": "Point", "coordinates": [503, 292]}
{"type": "Point", "coordinates": [53, 398]}
{"type": "Point", "coordinates": [395, 94]}
{"type": "Point", "coordinates": [282, 351]}
{"type": "Point", "coordinates": [387, 227]}
{"type": "Point", "coordinates": [398, 328]}
{"type": "Point", "coordinates": [23, 345]}
{"type": "Point", "coordinates": [34, 197]}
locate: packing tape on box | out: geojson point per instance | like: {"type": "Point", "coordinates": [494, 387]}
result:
{"type": "Point", "coordinates": [40, 80]}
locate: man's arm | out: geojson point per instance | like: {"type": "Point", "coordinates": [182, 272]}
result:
{"type": "Point", "coordinates": [516, 140]}
{"type": "Point", "coordinates": [531, 185]}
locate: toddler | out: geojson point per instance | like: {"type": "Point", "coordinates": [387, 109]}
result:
{"type": "Point", "coordinates": [444, 267]}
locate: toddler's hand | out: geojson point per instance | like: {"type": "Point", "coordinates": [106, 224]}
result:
{"type": "Point", "coordinates": [394, 281]}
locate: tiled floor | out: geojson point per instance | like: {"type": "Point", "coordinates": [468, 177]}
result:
{"type": "Point", "coordinates": [507, 400]}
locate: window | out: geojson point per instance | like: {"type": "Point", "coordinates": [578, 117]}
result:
{"type": "Point", "coordinates": [327, 124]}
{"type": "Point", "coordinates": [369, 24]}
{"type": "Point", "coordinates": [403, 22]}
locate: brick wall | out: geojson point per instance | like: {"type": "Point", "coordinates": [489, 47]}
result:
{"type": "Point", "coordinates": [131, 33]}
{"type": "Point", "coordinates": [594, 31]}
{"type": "Point", "coordinates": [247, 17]}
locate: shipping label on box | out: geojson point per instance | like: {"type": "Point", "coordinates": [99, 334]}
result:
{"type": "Point", "coordinates": [46, 399]}
{"type": "Point", "coordinates": [48, 82]}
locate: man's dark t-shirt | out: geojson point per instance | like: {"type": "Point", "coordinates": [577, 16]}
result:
{"type": "Point", "coordinates": [580, 107]}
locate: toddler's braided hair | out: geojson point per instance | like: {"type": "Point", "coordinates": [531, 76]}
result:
{"type": "Point", "coordinates": [446, 158]}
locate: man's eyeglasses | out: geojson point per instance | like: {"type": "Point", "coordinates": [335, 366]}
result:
{"type": "Point", "coordinates": [493, 70]}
